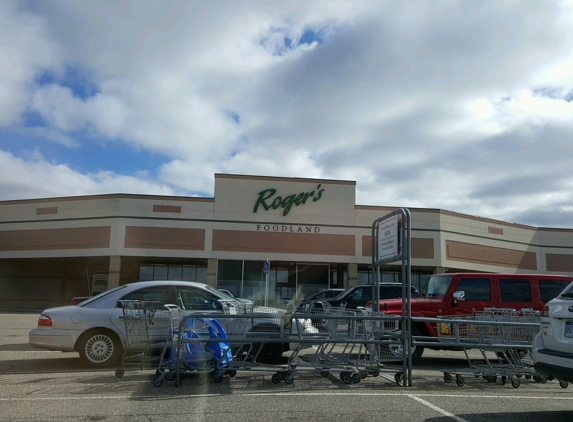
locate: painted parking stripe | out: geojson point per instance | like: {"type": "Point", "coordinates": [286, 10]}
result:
{"type": "Point", "coordinates": [436, 408]}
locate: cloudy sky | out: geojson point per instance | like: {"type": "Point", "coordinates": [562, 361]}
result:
{"type": "Point", "coordinates": [458, 105]}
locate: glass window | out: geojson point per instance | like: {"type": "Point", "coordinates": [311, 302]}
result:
{"type": "Point", "coordinates": [230, 270]}
{"type": "Point", "coordinates": [188, 273]}
{"type": "Point", "coordinates": [157, 293]}
{"type": "Point", "coordinates": [362, 293]}
{"type": "Point", "coordinates": [437, 285]}
{"type": "Point", "coordinates": [160, 272]}
{"type": "Point", "coordinates": [190, 298]}
{"type": "Point", "coordinates": [475, 288]}
{"type": "Point", "coordinates": [146, 273]}
{"type": "Point", "coordinates": [513, 290]}
{"type": "Point", "coordinates": [201, 275]}
{"type": "Point", "coordinates": [550, 289]}
{"type": "Point", "coordinates": [175, 272]}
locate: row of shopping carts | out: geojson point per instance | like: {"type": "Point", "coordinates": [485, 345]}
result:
{"type": "Point", "coordinates": [339, 341]}
{"type": "Point", "coordinates": [503, 338]}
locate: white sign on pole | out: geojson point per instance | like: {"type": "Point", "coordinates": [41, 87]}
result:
{"type": "Point", "coordinates": [388, 238]}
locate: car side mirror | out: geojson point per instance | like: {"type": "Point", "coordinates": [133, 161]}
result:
{"type": "Point", "coordinates": [459, 295]}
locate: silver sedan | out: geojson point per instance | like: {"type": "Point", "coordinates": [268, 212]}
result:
{"type": "Point", "coordinates": [97, 330]}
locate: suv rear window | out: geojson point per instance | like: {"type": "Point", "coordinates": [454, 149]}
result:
{"type": "Point", "coordinates": [550, 289]}
{"type": "Point", "coordinates": [515, 290]}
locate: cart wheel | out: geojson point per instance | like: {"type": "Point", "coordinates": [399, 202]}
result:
{"type": "Point", "coordinates": [119, 372]}
{"type": "Point", "coordinates": [170, 376]}
{"type": "Point", "coordinates": [217, 377]}
{"type": "Point", "coordinates": [540, 378]}
{"type": "Point", "coordinates": [276, 378]}
{"type": "Point", "coordinates": [157, 382]}
{"type": "Point", "coordinates": [356, 378]}
{"type": "Point", "coordinates": [210, 366]}
{"type": "Point", "coordinates": [346, 377]}
{"type": "Point", "coordinates": [231, 373]}
{"type": "Point", "coordinates": [375, 373]}
{"type": "Point", "coordinates": [289, 380]}
{"type": "Point", "coordinates": [491, 379]}
{"type": "Point", "coordinates": [203, 378]}
{"type": "Point", "coordinates": [503, 380]}
{"type": "Point", "coordinates": [563, 384]}
{"type": "Point", "coordinates": [363, 374]}
{"type": "Point", "coordinates": [515, 382]}
{"type": "Point", "coordinates": [398, 378]}
{"type": "Point", "coordinates": [528, 377]}
{"type": "Point", "coordinates": [324, 373]}
{"type": "Point", "coordinates": [460, 381]}
{"type": "Point", "coordinates": [448, 378]}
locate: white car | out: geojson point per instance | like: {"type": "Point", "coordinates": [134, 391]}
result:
{"type": "Point", "coordinates": [553, 347]}
{"type": "Point", "coordinates": [97, 330]}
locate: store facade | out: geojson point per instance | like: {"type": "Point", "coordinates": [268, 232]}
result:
{"type": "Point", "coordinates": [311, 231]}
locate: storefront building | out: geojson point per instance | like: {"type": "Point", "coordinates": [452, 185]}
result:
{"type": "Point", "coordinates": [311, 231]}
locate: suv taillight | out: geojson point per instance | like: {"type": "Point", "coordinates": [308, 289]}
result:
{"type": "Point", "coordinates": [545, 310]}
{"type": "Point", "coordinates": [44, 321]}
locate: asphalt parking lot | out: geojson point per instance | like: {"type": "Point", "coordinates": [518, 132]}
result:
{"type": "Point", "coordinates": [46, 386]}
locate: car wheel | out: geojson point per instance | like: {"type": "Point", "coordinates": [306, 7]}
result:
{"type": "Point", "coordinates": [270, 352]}
{"type": "Point", "coordinates": [267, 352]}
{"type": "Point", "coordinates": [99, 348]}
{"type": "Point", "coordinates": [396, 350]}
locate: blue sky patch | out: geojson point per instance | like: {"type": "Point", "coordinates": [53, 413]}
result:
{"type": "Point", "coordinates": [90, 157]}
{"type": "Point", "coordinates": [74, 77]}
{"type": "Point", "coordinates": [290, 42]}
{"type": "Point", "coordinates": [309, 36]}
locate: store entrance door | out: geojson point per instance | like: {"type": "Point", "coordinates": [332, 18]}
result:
{"type": "Point", "coordinates": [311, 278]}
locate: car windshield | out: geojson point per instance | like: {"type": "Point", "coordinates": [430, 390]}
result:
{"type": "Point", "coordinates": [220, 293]}
{"type": "Point", "coordinates": [568, 291]}
{"type": "Point", "coordinates": [437, 286]}
{"type": "Point", "coordinates": [100, 295]}
{"type": "Point", "coordinates": [345, 293]}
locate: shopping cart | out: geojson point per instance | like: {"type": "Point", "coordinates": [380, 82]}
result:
{"type": "Point", "coordinates": [146, 325]}
{"type": "Point", "coordinates": [344, 342]}
{"type": "Point", "coordinates": [507, 333]}
{"type": "Point", "coordinates": [195, 345]}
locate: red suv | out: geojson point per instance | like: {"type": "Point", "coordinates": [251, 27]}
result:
{"type": "Point", "coordinates": [462, 293]}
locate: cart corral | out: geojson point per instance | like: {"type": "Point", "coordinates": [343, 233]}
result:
{"type": "Point", "coordinates": [350, 343]}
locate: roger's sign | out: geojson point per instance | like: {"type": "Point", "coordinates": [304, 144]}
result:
{"type": "Point", "coordinates": [268, 199]}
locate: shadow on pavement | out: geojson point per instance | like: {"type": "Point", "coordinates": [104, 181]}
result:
{"type": "Point", "coordinates": [557, 416]}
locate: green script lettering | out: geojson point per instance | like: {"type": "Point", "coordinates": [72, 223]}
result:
{"type": "Point", "coordinates": [262, 198]}
{"type": "Point", "coordinates": [288, 201]}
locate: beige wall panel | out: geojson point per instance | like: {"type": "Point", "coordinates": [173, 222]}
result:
{"type": "Point", "coordinates": [422, 248]}
{"type": "Point", "coordinates": [49, 239]}
{"type": "Point", "coordinates": [164, 238]}
{"type": "Point", "coordinates": [559, 262]}
{"type": "Point", "coordinates": [292, 243]}
{"type": "Point", "coordinates": [331, 202]}
{"type": "Point", "coordinates": [468, 252]}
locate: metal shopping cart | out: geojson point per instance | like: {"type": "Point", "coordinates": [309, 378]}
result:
{"type": "Point", "coordinates": [146, 325]}
{"type": "Point", "coordinates": [345, 341]}
{"type": "Point", "coordinates": [506, 334]}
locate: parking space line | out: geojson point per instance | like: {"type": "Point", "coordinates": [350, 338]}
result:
{"type": "Point", "coordinates": [290, 393]}
{"type": "Point", "coordinates": [436, 408]}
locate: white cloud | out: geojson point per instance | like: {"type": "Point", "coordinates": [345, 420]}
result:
{"type": "Point", "coordinates": [431, 104]}
{"type": "Point", "coordinates": [57, 180]}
